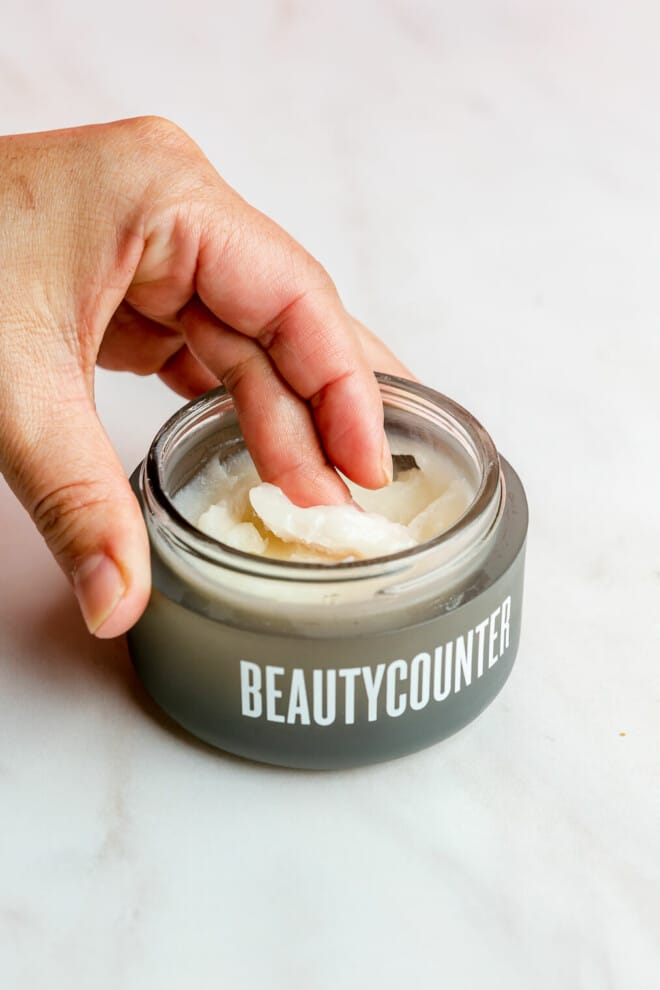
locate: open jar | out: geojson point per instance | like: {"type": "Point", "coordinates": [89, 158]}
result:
{"type": "Point", "coordinates": [330, 665]}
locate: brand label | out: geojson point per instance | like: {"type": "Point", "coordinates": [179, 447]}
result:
{"type": "Point", "coordinates": [325, 696]}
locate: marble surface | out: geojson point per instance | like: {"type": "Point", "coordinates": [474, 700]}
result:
{"type": "Point", "coordinates": [483, 182]}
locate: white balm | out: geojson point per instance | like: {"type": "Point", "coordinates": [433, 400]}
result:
{"type": "Point", "coordinates": [337, 530]}
{"type": "Point", "coordinates": [226, 500]}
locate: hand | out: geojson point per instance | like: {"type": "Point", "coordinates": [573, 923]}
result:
{"type": "Point", "coordinates": [122, 245]}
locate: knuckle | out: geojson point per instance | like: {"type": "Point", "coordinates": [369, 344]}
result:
{"type": "Point", "coordinates": [156, 143]}
{"type": "Point", "coordinates": [318, 276]}
{"type": "Point", "coordinates": [57, 514]}
{"type": "Point", "coordinates": [308, 289]}
{"type": "Point", "coordinates": [317, 399]}
{"type": "Point", "coordinates": [308, 276]}
{"type": "Point", "coordinates": [154, 128]}
{"type": "Point", "coordinates": [238, 372]}
{"type": "Point", "coordinates": [174, 172]}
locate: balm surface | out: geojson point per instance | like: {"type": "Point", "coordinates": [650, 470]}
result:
{"type": "Point", "coordinates": [227, 500]}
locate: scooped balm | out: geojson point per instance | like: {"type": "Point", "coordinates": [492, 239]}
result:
{"type": "Point", "coordinates": [226, 500]}
{"type": "Point", "coordinates": [338, 530]}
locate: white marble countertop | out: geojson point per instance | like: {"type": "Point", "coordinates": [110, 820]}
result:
{"type": "Point", "coordinates": [483, 182]}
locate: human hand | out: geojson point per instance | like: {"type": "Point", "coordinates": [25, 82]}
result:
{"type": "Point", "coordinates": [122, 245]}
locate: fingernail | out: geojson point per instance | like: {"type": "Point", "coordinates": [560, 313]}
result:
{"type": "Point", "coordinates": [99, 588]}
{"type": "Point", "coordinates": [388, 467]}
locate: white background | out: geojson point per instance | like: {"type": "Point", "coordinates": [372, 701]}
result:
{"type": "Point", "coordinates": [483, 182]}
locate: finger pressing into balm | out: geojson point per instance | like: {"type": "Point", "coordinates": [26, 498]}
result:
{"type": "Point", "coordinates": [276, 423]}
{"type": "Point", "coordinates": [262, 284]}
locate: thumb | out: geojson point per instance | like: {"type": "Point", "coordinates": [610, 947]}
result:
{"type": "Point", "coordinates": [58, 460]}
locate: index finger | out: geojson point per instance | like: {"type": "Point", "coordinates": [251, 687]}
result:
{"type": "Point", "coordinates": [257, 279]}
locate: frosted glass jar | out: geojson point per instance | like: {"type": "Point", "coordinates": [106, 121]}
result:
{"type": "Point", "coordinates": [330, 665]}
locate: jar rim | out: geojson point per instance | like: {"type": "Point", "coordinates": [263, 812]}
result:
{"type": "Point", "coordinates": [181, 532]}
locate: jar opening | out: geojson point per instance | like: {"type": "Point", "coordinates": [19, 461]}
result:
{"type": "Point", "coordinates": [208, 427]}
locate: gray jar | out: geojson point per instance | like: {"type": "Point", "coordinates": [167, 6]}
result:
{"type": "Point", "coordinates": [330, 665]}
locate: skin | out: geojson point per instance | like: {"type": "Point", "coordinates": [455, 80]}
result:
{"type": "Point", "coordinates": [122, 246]}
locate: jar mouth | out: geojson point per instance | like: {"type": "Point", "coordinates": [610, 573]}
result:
{"type": "Point", "coordinates": [187, 429]}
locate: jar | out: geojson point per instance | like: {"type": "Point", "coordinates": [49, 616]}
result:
{"type": "Point", "coordinates": [330, 665]}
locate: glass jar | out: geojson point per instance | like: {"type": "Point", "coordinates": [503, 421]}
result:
{"type": "Point", "coordinates": [330, 665]}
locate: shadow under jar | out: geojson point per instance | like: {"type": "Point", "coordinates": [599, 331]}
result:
{"type": "Point", "coordinates": [330, 665]}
